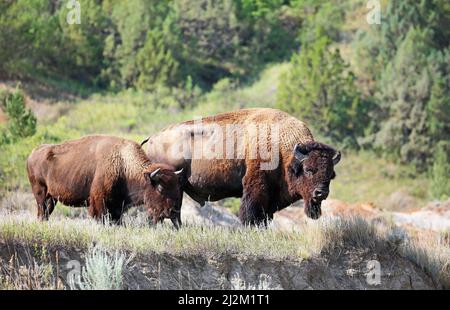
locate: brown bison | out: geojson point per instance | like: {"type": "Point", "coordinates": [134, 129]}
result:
{"type": "Point", "coordinates": [106, 174]}
{"type": "Point", "coordinates": [265, 156]}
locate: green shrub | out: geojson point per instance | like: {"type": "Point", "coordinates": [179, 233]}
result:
{"type": "Point", "coordinates": [103, 271]}
{"type": "Point", "coordinates": [155, 62]}
{"type": "Point", "coordinates": [405, 60]}
{"type": "Point", "coordinates": [21, 121]}
{"type": "Point", "coordinates": [411, 101]}
{"type": "Point", "coordinates": [440, 172]}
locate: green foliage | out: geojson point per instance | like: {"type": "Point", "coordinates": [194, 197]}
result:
{"type": "Point", "coordinates": [412, 96]}
{"type": "Point", "coordinates": [233, 204]}
{"type": "Point", "coordinates": [365, 177]}
{"type": "Point", "coordinates": [320, 89]}
{"type": "Point", "coordinates": [440, 172]}
{"type": "Point", "coordinates": [231, 37]}
{"type": "Point", "coordinates": [26, 35]}
{"type": "Point", "coordinates": [155, 63]}
{"type": "Point", "coordinates": [140, 43]}
{"type": "Point", "coordinates": [321, 18]}
{"type": "Point", "coordinates": [438, 107]}
{"type": "Point", "coordinates": [81, 52]}
{"type": "Point", "coordinates": [21, 121]}
{"type": "Point", "coordinates": [407, 59]}
{"type": "Point", "coordinates": [103, 271]}
{"type": "Point", "coordinates": [133, 23]}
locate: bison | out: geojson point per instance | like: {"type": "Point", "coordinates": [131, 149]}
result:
{"type": "Point", "coordinates": [107, 174]}
{"type": "Point", "coordinates": [263, 155]}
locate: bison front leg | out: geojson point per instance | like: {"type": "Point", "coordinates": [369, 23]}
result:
{"type": "Point", "coordinates": [97, 208]}
{"type": "Point", "coordinates": [100, 199]}
{"type": "Point", "coordinates": [45, 208]}
{"type": "Point", "coordinates": [45, 203]}
{"type": "Point", "coordinates": [255, 200]}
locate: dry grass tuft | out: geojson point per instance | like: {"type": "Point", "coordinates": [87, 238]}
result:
{"type": "Point", "coordinates": [311, 239]}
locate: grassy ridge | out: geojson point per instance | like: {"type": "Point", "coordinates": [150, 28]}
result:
{"type": "Point", "coordinates": [310, 240]}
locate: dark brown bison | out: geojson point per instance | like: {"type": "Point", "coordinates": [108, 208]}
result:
{"type": "Point", "coordinates": [106, 174]}
{"type": "Point", "coordinates": [265, 156]}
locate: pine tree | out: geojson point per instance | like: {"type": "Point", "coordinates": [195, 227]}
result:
{"type": "Point", "coordinates": [440, 173]}
{"type": "Point", "coordinates": [406, 59]}
{"type": "Point", "coordinates": [319, 88]}
{"type": "Point", "coordinates": [21, 121]}
{"type": "Point", "coordinates": [155, 62]}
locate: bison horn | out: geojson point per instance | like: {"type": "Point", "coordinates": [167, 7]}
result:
{"type": "Point", "coordinates": [179, 171]}
{"type": "Point", "coordinates": [154, 175]}
{"type": "Point", "coordinates": [145, 141]}
{"type": "Point", "coordinates": [336, 157]}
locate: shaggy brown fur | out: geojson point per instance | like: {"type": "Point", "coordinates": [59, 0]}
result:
{"type": "Point", "coordinates": [106, 174]}
{"type": "Point", "coordinates": [304, 170]}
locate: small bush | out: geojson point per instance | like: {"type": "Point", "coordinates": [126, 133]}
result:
{"type": "Point", "coordinates": [103, 271]}
{"type": "Point", "coordinates": [22, 122]}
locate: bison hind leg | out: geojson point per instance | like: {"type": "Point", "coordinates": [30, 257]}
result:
{"type": "Point", "coordinates": [50, 203]}
{"type": "Point", "coordinates": [45, 203]}
{"type": "Point", "coordinates": [45, 208]}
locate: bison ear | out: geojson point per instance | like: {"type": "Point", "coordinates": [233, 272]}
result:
{"type": "Point", "coordinates": [336, 157]}
{"type": "Point", "coordinates": [300, 153]}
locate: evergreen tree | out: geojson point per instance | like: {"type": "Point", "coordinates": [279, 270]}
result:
{"type": "Point", "coordinates": [440, 172]}
{"type": "Point", "coordinates": [319, 88]}
{"type": "Point", "coordinates": [21, 121]}
{"type": "Point", "coordinates": [155, 63]}
{"type": "Point", "coordinates": [406, 63]}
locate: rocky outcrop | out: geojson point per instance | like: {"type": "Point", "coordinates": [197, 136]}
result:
{"type": "Point", "coordinates": [348, 269]}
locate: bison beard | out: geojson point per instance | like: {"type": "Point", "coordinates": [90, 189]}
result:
{"type": "Point", "coordinates": [313, 208]}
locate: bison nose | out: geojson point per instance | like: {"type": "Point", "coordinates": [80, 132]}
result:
{"type": "Point", "coordinates": [320, 193]}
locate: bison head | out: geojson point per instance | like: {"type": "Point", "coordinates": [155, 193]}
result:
{"type": "Point", "coordinates": [311, 171]}
{"type": "Point", "coordinates": [163, 196]}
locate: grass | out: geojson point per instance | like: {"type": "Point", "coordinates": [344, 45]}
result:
{"type": "Point", "coordinates": [142, 239]}
{"type": "Point", "coordinates": [38, 274]}
{"type": "Point", "coordinates": [364, 177]}
{"type": "Point", "coordinates": [312, 239]}
{"type": "Point", "coordinates": [432, 255]}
